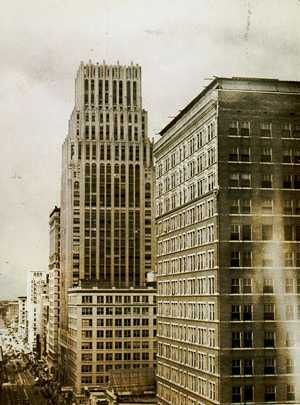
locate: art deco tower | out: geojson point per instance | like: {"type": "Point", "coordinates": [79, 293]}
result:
{"type": "Point", "coordinates": [106, 227]}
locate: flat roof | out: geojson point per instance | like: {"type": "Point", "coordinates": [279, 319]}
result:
{"type": "Point", "coordinates": [275, 85]}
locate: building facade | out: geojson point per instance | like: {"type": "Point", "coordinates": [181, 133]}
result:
{"type": "Point", "coordinates": [110, 332]}
{"type": "Point", "coordinates": [22, 318]}
{"type": "Point", "coordinates": [105, 225]}
{"type": "Point", "coordinates": [36, 281]}
{"type": "Point", "coordinates": [54, 286]}
{"type": "Point", "coordinates": [228, 236]}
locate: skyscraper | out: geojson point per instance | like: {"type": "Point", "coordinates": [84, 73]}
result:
{"type": "Point", "coordinates": [228, 236]}
{"type": "Point", "coordinates": [106, 228]}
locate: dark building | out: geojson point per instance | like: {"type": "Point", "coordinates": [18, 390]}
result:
{"type": "Point", "coordinates": [228, 246]}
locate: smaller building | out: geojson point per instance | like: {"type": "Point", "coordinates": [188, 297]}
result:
{"type": "Point", "coordinates": [111, 332]}
{"type": "Point", "coordinates": [22, 318]}
{"type": "Point", "coordinates": [35, 286]}
{"type": "Point", "coordinates": [54, 282]}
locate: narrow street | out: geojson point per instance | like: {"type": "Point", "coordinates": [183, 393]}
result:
{"type": "Point", "coordinates": [19, 388]}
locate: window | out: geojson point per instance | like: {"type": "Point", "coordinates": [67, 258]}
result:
{"type": "Point", "coordinates": [270, 393]}
{"type": "Point", "coordinates": [266, 180]}
{"type": "Point", "coordinates": [235, 286]}
{"type": "Point", "coordinates": [245, 180]}
{"type": "Point", "coordinates": [247, 312]}
{"type": "Point", "coordinates": [267, 232]}
{"type": "Point", "coordinates": [267, 207]}
{"type": "Point", "coordinates": [289, 312]}
{"type": "Point", "coordinates": [269, 367]}
{"type": "Point", "coordinates": [269, 339]}
{"type": "Point", "coordinates": [235, 232]}
{"type": "Point", "coordinates": [248, 393]}
{"type": "Point", "coordinates": [236, 339]}
{"type": "Point", "coordinates": [289, 285]}
{"type": "Point", "coordinates": [245, 128]}
{"type": "Point", "coordinates": [245, 206]}
{"type": "Point", "coordinates": [233, 128]}
{"type": "Point", "coordinates": [265, 130]}
{"type": "Point", "coordinates": [247, 285]}
{"type": "Point", "coordinates": [236, 367]}
{"type": "Point", "coordinates": [287, 181]}
{"type": "Point", "coordinates": [236, 394]}
{"type": "Point", "coordinates": [290, 366]}
{"type": "Point", "coordinates": [268, 286]}
{"type": "Point", "coordinates": [235, 312]}
{"type": "Point", "coordinates": [290, 339]}
{"type": "Point", "coordinates": [286, 130]}
{"type": "Point", "coordinates": [269, 312]}
{"type": "Point", "coordinates": [266, 155]}
{"type": "Point", "coordinates": [235, 259]}
{"type": "Point", "coordinates": [247, 258]}
{"type": "Point", "coordinates": [248, 339]}
{"type": "Point", "coordinates": [234, 207]}
{"type": "Point", "coordinates": [246, 232]}
{"type": "Point", "coordinates": [288, 232]}
{"type": "Point", "coordinates": [248, 367]}
{"type": "Point", "coordinates": [290, 394]}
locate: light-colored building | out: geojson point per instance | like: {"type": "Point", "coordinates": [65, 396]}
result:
{"type": "Point", "coordinates": [22, 318]}
{"type": "Point", "coordinates": [111, 332]}
{"type": "Point", "coordinates": [106, 214]}
{"type": "Point", "coordinates": [36, 282]}
{"type": "Point", "coordinates": [228, 239]}
{"type": "Point", "coordinates": [54, 287]}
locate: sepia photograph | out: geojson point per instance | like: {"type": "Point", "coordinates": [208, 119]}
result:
{"type": "Point", "coordinates": [150, 202]}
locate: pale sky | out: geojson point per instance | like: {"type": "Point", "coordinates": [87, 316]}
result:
{"type": "Point", "coordinates": [179, 44]}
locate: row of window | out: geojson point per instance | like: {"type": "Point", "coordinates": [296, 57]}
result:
{"type": "Point", "coordinates": [107, 334]}
{"type": "Point", "coordinates": [245, 232]}
{"type": "Point", "coordinates": [242, 180]}
{"type": "Point", "coordinates": [190, 286]}
{"type": "Point", "coordinates": [244, 258]}
{"type": "Point", "coordinates": [192, 168]}
{"type": "Point", "coordinates": [117, 311]}
{"type": "Point", "coordinates": [89, 323]}
{"type": "Point", "coordinates": [241, 394]}
{"type": "Point", "coordinates": [238, 154]}
{"type": "Point", "coordinates": [245, 339]}
{"type": "Point", "coordinates": [145, 344]}
{"type": "Point", "coordinates": [190, 239]}
{"type": "Point", "coordinates": [244, 312]}
{"type": "Point", "coordinates": [245, 286]}
{"type": "Point", "coordinates": [104, 379]}
{"type": "Point", "coordinates": [116, 299]}
{"type": "Point", "coordinates": [266, 206]}
{"type": "Point", "coordinates": [189, 357]}
{"type": "Point", "coordinates": [266, 129]}
{"type": "Point", "coordinates": [203, 311]}
{"type": "Point", "coordinates": [190, 216]}
{"type": "Point", "coordinates": [203, 135]}
{"type": "Point", "coordinates": [188, 381]}
{"type": "Point", "coordinates": [246, 366]}
{"type": "Point", "coordinates": [198, 188]}
{"type": "Point", "coordinates": [194, 262]}
{"type": "Point", "coordinates": [201, 336]}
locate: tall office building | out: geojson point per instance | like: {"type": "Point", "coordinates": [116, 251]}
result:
{"type": "Point", "coordinates": [228, 237]}
{"type": "Point", "coordinates": [106, 228]}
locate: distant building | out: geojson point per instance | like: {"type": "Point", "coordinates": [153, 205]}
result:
{"type": "Point", "coordinates": [228, 246]}
{"type": "Point", "coordinates": [36, 282]}
{"type": "Point", "coordinates": [22, 318]}
{"type": "Point", "coordinates": [54, 286]}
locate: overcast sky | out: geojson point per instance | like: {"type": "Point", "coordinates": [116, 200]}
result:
{"type": "Point", "coordinates": [178, 43]}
